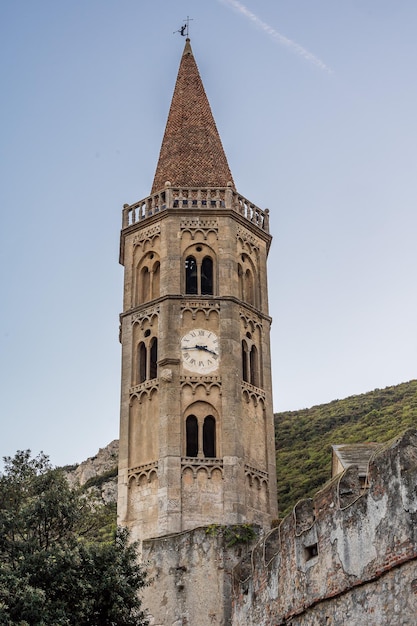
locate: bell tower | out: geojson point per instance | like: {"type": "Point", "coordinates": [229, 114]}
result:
{"type": "Point", "coordinates": [196, 428]}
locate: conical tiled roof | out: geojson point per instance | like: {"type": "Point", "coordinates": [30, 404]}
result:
{"type": "Point", "coordinates": [191, 154]}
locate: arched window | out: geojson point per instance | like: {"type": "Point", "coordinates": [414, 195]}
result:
{"type": "Point", "coordinates": [254, 368]}
{"type": "Point", "coordinates": [145, 280]}
{"type": "Point", "coordinates": [240, 277]}
{"type": "Point", "coordinates": [249, 291]}
{"type": "Point", "coordinates": [141, 362]}
{"type": "Point", "coordinates": [191, 426]}
{"type": "Point", "coordinates": [245, 361]}
{"type": "Point", "coordinates": [153, 367]}
{"type": "Point", "coordinates": [209, 437]}
{"type": "Point", "coordinates": [156, 273]}
{"type": "Point", "coordinates": [191, 275]}
{"type": "Point", "coordinates": [207, 276]}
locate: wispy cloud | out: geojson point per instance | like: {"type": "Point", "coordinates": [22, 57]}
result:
{"type": "Point", "coordinates": [281, 39]}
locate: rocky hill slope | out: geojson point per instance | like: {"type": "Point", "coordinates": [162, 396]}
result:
{"type": "Point", "coordinates": [303, 439]}
{"type": "Point", "coordinates": [98, 474]}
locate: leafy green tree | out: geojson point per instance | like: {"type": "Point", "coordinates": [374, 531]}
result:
{"type": "Point", "coordinates": [53, 570]}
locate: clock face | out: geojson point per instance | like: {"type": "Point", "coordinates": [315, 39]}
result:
{"type": "Point", "coordinates": [200, 351]}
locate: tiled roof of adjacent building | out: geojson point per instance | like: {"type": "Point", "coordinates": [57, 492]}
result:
{"type": "Point", "coordinates": [358, 454]}
{"type": "Point", "coordinates": [191, 154]}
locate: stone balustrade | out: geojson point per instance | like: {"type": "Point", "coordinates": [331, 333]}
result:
{"type": "Point", "coordinates": [195, 198]}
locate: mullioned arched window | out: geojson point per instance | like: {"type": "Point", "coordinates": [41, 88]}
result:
{"type": "Point", "coordinates": [147, 279]}
{"type": "Point", "coordinates": [147, 360]}
{"type": "Point", "coordinates": [200, 436]}
{"type": "Point", "coordinates": [250, 364]}
{"type": "Point", "coordinates": [247, 280]}
{"type": "Point", "coordinates": [199, 268]}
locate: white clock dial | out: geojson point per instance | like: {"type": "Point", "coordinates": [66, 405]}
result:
{"type": "Point", "coordinates": [200, 351]}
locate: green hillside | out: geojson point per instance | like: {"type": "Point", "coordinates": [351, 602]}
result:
{"type": "Point", "coordinates": [303, 438]}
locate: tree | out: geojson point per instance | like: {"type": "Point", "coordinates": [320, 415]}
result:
{"type": "Point", "coordinates": [53, 570]}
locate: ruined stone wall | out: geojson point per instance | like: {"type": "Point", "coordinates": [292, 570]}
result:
{"type": "Point", "coordinates": [347, 557]}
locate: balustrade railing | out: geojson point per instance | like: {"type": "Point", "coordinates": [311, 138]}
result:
{"type": "Point", "coordinates": [194, 198]}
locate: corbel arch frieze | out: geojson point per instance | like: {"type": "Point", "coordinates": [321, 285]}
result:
{"type": "Point", "coordinates": [250, 321]}
{"type": "Point", "coordinates": [197, 233]}
{"type": "Point", "coordinates": [256, 477]}
{"type": "Point", "coordinates": [197, 465]}
{"type": "Point", "coordinates": [194, 307]}
{"type": "Point", "coordinates": [247, 242]}
{"type": "Point", "coordinates": [253, 394]}
{"type": "Point", "coordinates": [149, 471]}
{"type": "Point", "coordinates": [147, 316]}
{"type": "Point", "coordinates": [208, 383]}
{"type": "Point", "coordinates": [196, 226]}
{"type": "Point", "coordinates": [144, 391]}
{"type": "Point", "coordinates": [148, 235]}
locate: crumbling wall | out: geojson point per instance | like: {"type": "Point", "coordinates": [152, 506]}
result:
{"type": "Point", "coordinates": [347, 557]}
{"type": "Point", "coordinates": [191, 576]}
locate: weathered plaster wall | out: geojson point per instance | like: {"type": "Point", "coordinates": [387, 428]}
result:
{"type": "Point", "coordinates": [345, 557]}
{"type": "Point", "coordinates": [191, 574]}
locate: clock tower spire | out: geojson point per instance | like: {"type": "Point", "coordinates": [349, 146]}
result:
{"type": "Point", "coordinates": [196, 429]}
{"type": "Point", "coordinates": [191, 153]}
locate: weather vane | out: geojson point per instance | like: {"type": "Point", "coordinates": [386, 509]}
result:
{"type": "Point", "coordinates": [184, 31]}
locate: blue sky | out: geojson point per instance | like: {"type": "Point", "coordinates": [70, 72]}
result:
{"type": "Point", "coordinates": [316, 106]}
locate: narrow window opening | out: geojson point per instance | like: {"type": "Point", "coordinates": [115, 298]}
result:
{"type": "Point", "coordinates": [190, 275]}
{"type": "Point", "coordinates": [156, 280]}
{"type": "Point", "coordinates": [146, 283]}
{"type": "Point", "coordinates": [240, 278]}
{"type": "Point", "coordinates": [254, 366]}
{"type": "Point", "coordinates": [153, 367]}
{"type": "Point", "coordinates": [191, 427]}
{"type": "Point", "coordinates": [207, 276]}
{"type": "Point", "coordinates": [244, 362]}
{"type": "Point", "coordinates": [141, 362]}
{"type": "Point", "coordinates": [209, 437]}
{"type": "Point", "coordinates": [249, 287]}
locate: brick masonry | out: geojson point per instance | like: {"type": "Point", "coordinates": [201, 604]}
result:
{"type": "Point", "coordinates": [191, 153]}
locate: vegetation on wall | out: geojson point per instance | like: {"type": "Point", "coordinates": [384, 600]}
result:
{"type": "Point", "coordinates": [233, 534]}
{"type": "Point", "coordinates": [303, 438]}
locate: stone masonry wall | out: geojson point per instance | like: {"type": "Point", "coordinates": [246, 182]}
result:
{"type": "Point", "coordinates": [347, 557]}
{"type": "Point", "coordinates": [191, 577]}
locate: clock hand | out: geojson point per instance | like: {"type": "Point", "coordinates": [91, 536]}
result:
{"type": "Point", "coordinates": [211, 351]}
{"type": "Point", "coordinates": [206, 349]}
{"type": "Point", "coordinates": [197, 347]}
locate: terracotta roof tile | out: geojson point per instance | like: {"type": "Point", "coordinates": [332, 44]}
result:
{"type": "Point", "coordinates": [191, 154]}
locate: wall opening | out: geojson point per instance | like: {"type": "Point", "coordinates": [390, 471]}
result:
{"type": "Point", "coordinates": [191, 426]}
{"type": "Point", "coordinates": [153, 367]}
{"type": "Point", "coordinates": [245, 361]}
{"type": "Point", "coordinates": [207, 276]}
{"type": "Point", "coordinates": [209, 437]}
{"type": "Point", "coordinates": [141, 362]}
{"type": "Point", "coordinates": [310, 551]}
{"type": "Point", "coordinates": [254, 369]}
{"type": "Point", "coordinates": [190, 275]}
